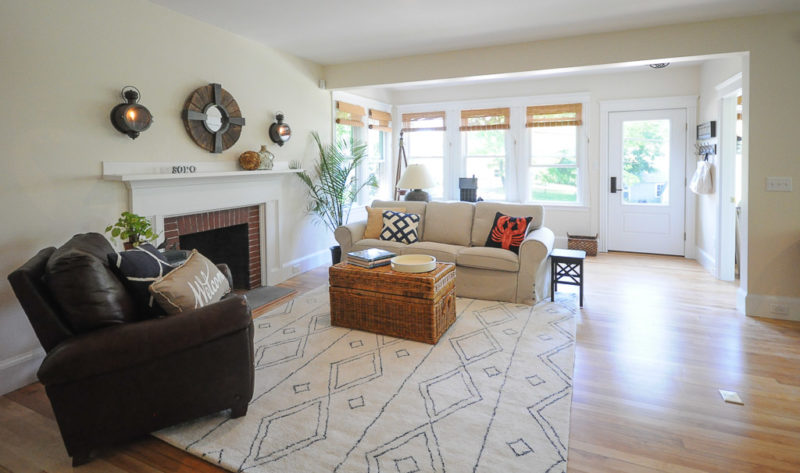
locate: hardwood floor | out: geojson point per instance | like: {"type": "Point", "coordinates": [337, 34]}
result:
{"type": "Point", "coordinates": [657, 337]}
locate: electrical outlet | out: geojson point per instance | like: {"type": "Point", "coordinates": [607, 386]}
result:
{"type": "Point", "coordinates": [731, 397]}
{"type": "Point", "coordinates": [295, 269]}
{"type": "Point", "coordinates": [779, 184]}
{"type": "Point", "coordinates": [778, 309]}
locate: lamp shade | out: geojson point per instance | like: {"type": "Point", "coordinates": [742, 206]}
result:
{"type": "Point", "coordinates": [416, 177]}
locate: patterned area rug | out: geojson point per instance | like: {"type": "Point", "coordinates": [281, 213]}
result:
{"type": "Point", "coordinates": [493, 395]}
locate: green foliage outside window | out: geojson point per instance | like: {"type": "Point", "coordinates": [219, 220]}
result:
{"type": "Point", "coordinates": [642, 145]}
{"type": "Point", "coordinates": [564, 176]}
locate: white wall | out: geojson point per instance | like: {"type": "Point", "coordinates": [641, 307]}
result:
{"type": "Point", "coordinates": [712, 74]}
{"type": "Point", "coordinates": [63, 65]}
{"type": "Point", "coordinates": [643, 83]}
{"type": "Point", "coordinates": [771, 256]}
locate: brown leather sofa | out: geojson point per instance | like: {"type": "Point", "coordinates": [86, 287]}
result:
{"type": "Point", "coordinates": [130, 377]}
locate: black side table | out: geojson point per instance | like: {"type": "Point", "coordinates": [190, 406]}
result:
{"type": "Point", "coordinates": [566, 267]}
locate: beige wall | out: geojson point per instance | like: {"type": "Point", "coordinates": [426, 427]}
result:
{"type": "Point", "coordinates": [63, 65]}
{"type": "Point", "coordinates": [712, 74]}
{"type": "Point", "coordinates": [773, 219]}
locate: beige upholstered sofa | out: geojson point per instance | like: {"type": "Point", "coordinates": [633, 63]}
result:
{"type": "Point", "coordinates": [456, 232]}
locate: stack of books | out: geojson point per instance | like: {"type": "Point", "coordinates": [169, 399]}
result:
{"type": "Point", "coordinates": [370, 258]}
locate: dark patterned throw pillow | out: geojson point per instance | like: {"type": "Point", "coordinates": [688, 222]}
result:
{"type": "Point", "coordinates": [400, 227]}
{"type": "Point", "coordinates": [508, 232]}
{"type": "Point", "coordinates": [138, 268]}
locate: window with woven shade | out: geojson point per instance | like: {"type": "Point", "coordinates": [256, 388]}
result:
{"type": "Point", "coordinates": [354, 123]}
{"type": "Point", "coordinates": [349, 114]}
{"type": "Point", "coordinates": [349, 118]}
{"type": "Point", "coordinates": [424, 140]}
{"type": "Point", "coordinates": [570, 114]}
{"type": "Point", "coordinates": [554, 171]}
{"type": "Point", "coordinates": [485, 119]}
{"type": "Point", "coordinates": [423, 121]}
{"type": "Point", "coordinates": [380, 120]}
{"type": "Point", "coordinates": [484, 149]}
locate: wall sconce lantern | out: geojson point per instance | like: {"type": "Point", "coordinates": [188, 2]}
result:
{"type": "Point", "coordinates": [130, 117]}
{"type": "Point", "coordinates": [279, 132]}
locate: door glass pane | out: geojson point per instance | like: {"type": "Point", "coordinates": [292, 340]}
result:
{"type": "Point", "coordinates": [485, 152]}
{"type": "Point", "coordinates": [645, 162]}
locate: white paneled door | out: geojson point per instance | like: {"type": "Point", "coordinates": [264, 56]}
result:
{"type": "Point", "coordinates": [646, 168]}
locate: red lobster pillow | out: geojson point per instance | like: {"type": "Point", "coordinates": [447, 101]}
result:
{"type": "Point", "coordinates": [508, 232]}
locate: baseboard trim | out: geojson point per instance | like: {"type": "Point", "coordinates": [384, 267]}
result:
{"type": "Point", "coordinates": [741, 301]}
{"type": "Point", "coordinates": [773, 307]}
{"type": "Point", "coordinates": [19, 370]}
{"type": "Point", "coordinates": [707, 261]}
{"type": "Point", "coordinates": [305, 263]}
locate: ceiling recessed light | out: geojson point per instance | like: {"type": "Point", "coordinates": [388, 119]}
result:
{"type": "Point", "coordinates": [659, 65]}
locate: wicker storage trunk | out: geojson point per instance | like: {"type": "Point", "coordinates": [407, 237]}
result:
{"type": "Point", "coordinates": [418, 307]}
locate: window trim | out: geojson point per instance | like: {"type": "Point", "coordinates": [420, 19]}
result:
{"type": "Point", "coordinates": [581, 164]}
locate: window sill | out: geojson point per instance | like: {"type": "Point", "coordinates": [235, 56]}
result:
{"type": "Point", "coordinates": [566, 207]}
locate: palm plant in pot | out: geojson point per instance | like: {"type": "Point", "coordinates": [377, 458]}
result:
{"type": "Point", "coordinates": [132, 229]}
{"type": "Point", "coordinates": [333, 186]}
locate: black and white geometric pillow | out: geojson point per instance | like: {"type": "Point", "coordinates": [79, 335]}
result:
{"type": "Point", "coordinates": [138, 268]}
{"type": "Point", "coordinates": [400, 227]}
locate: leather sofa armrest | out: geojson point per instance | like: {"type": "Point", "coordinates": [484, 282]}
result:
{"type": "Point", "coordinates": [347, 235]}
{"type": "Point", "coordinates": [226, 271]}
{"type": "Point", "coordinates": [532, 281]}
{"type": "Point", "coordinates": [131, 344]}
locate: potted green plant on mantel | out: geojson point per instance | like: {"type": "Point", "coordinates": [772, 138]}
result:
{"type": "Point", "coordinates": [132, 229]}
{"type": "Point", "coordinates": [333, 186]}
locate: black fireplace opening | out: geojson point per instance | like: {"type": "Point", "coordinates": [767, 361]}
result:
{"type": "Point", "coordinates": [227, 245]}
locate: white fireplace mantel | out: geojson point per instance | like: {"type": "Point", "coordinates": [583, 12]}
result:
{"type": "Point", "coordinates": [133, 174]}
{"type": "Point", "coordinates": [155, 192]}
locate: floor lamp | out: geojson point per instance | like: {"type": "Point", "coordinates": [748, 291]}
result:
{"type": "Point", "coordinates": [402, 163]}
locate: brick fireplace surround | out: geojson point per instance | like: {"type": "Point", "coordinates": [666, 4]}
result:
{"type": "Point", "coordinates": [175, 227]}
{"type": "Point", "coordinates": [217, 194]}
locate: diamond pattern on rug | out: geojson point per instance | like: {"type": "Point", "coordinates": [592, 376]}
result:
{"type": "Point", "coordinates": [493, 395]}
{"type": "Point", "coordinates": [448, 392]}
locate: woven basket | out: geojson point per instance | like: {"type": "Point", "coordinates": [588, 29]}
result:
{"type": "Point", "coordinates": [583, 242]}
{"type": "Point", "coordinates": [414, 306]}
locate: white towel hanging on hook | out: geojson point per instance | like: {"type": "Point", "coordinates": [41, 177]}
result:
{"type": "Point", "coordinates": [701, 180]}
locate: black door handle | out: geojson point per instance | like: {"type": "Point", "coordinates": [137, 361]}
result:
{"type": "Point", "coordinates": [614, 185]}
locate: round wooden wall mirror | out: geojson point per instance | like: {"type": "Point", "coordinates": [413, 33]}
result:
{"type": "Point", "coordinates": [213, 118]}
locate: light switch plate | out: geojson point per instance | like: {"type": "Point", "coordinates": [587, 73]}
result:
{"type": "Point", "coordinates": [731, 397]}
{"type": "Point", "coordinates": [779, 184]}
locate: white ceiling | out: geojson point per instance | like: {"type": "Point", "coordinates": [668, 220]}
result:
{"type": "Point", "coordinates": [341, 31]}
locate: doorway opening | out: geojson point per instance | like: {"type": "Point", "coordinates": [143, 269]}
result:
{"type": "Point", "coordinates": [731, 185]}
{"type": "Point", "coordinates": [647, 209]}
